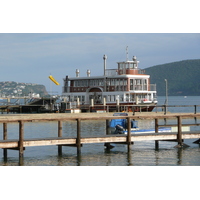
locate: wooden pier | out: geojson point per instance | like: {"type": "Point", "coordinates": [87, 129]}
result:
{"type": "Point", "coordinates": [77, 141]}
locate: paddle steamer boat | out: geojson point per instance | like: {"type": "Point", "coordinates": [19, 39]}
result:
{"type": "Point", "coordinates": [126, 88]}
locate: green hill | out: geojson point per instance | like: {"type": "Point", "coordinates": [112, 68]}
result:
{"type": "Point", "coordinates": [11, 88]}
{"type": "Point", "coordinates": [183, 78]}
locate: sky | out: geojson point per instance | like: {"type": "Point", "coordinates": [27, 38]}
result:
{"type": "Point", "coordinates": [56, 39]}
{"type": "Point", "coordinates": [31, 58]}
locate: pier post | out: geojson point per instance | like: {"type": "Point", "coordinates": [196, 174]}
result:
{"type": "Point", "coordinates": [59, 135]}
{"type": "Point", "coordinates": [179, 134]}
{"type": "Point", "coordinates": [21, 138]}
{"type": "Point", "coordinates": [129, 133]}
{"type": "Point", "coordinates": [156, 131]}
{"type": "Point", "coordinates": [165, 109]}
{"type": "Point", "coordinates": [195, 109]}
{"type": "Point", "coordinates": [5, 137]}
{"type": "Point", "coordinates": [78, 139]}
{"type": "Point", "coordinates": [108, 145]}
{"type": "Point", "coordinates": [107, 126]}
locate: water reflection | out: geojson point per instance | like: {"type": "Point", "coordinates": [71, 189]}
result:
{"type": "Point", "coordinates": [179, 156]}
{"type": "Point", "coordinates": [118, 157]}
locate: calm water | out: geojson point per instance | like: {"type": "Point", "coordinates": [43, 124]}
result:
{"type": "Point", "coordinates": [141, 154]}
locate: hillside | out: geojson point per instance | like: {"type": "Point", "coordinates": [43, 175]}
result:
{"type": "Point", "coordinates": [11, 88]}
{"type": "Point", "coordinates": [183, 78]}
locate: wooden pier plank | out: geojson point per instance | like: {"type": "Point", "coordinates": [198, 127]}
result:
{"type": "Point", "coordinates": [191, 135]}
{"type": "Point", "coordinates": [83, 116]}
{"type": "Point", "coordinates": [97, 139]}
{"type": "Point", "coordinates": [9, 143]}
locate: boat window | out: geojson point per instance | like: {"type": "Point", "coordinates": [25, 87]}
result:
{"type": "Point", "coordinates": [117, 82]}
{"type": "Point", "coordinates": [83, 98]}
{"type": "Point", "coordinates": [80, 98]}
{"type": "Point", "coordinates": [112, 82]}
{"type": "Point", "coordinates": [112, 97]}
{"type": "Point", "coordinates": [75, 83]}
{"type": "Point", "coordinates": [100, 82]}
{"type": "Point", "coordinates": [120, 66]}
{"type": "Point", "coordinates": [127, 97]}
{"type": "Point", "coordinates": [121, 81]}
{"type": "Point", "coordinates": [131, 65]}
{"type": "Point", "coordinates": [108, 82]}
{"type": "Point", "coordinates": [125, 82]}
{"type": "Point", "coordinates": [131, 84]}
{"type": "Point", "coordinates": [138, 81]}
{"type": "Point", "coordinates": [97, 82]}
{"type": "Point", "coordinates": [131, 97]}
{"type": "Point", "coordinates": [91, 82]}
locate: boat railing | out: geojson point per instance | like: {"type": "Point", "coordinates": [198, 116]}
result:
{"type": "Point", "coordinates": [152, 87]}
{"type": "Point", "coordinates": [144, 108]}
{"type": "Point", "coordinates": [111, 72]}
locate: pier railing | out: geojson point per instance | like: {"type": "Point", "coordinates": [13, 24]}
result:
{"type": "Point", "coordinates": [77, 141]}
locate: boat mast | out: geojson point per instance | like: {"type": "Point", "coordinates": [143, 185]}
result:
{"type": "Point", "coordinates": [127, 53]}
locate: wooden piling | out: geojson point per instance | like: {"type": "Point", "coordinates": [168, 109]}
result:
{"type": "Point", "coordinates": [165, 109]}
{"type": "Point", "coordinates": [78, 139]}
{"type": "Point", "coordinates": [156, 131]}
{"type": "Point", "coordinates": [59, 135]}
{"type": "Point", "coordinates": [5, 137]}
{"type": "Point", "coordinates": [195, 109]}
{"type": "Point", "coordinates": [179, 135]}
{"type": "Point", "coordinates": [129, 133]}
{"type": "Point", "coordinates": [21, 138]}
{"type": "Point", "coordinates": [107, 145]}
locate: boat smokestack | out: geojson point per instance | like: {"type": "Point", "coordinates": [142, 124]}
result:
{"type": "Point", "coordinates": [77, 72]}
{"type": "Point", "coordinates": [88, 73]}
{"type": "Point", "coordinates": [105, 58]}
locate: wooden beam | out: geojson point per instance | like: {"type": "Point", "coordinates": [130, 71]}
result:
{"type": "Point", "coordinates": [5, 137]}
{"type": "Point", "coordinates": [129, 130]}
{"type": "Point", "coordinates": [179, 135]}
{"type": "Point", "coordinates": [21, 138]}
{"type": "Point", "coordinates": [156, 131]}
{"type": "Point", "coordinates": [107, 144]}
{"type": "Point", "coordinates": [59, 135]}
{"type": "Point", "coordinates": [97, 139]}
{"type": "Point", "coordinates": [78, 139]}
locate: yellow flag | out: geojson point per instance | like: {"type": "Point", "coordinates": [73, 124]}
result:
{"type": "Point", "coordinates": [52, 79]}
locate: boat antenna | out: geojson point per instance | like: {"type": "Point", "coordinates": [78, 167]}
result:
{"type": "Point", "coordinates": [127, 53]}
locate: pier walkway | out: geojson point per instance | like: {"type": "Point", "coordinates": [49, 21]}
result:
{"type": "Point", "coordinates": [77, 141]}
